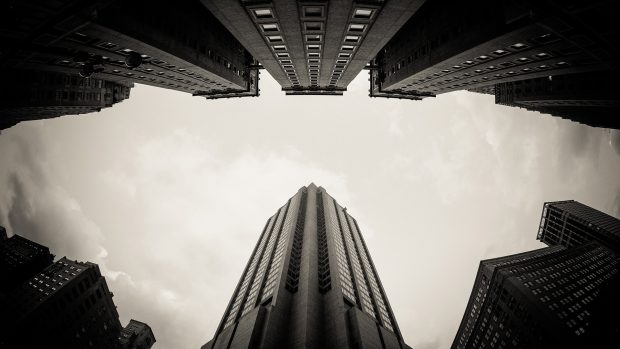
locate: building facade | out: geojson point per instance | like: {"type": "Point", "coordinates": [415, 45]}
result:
{"type": "Point", "coordinates": [309, 283]}
{"type": "Point", "coordinates": [571, 223]}
{"type": "Point", "coordinates": [20, 259]}
{"type": "Point", "coordinates": [313, 47]}
{"type": "Point", "coordinates": [126, 42]}
{"type": "Point", "coordinates": [549, 298]}
{"type": "Point", "coordinates": [448, 46]}
{"type": "Point", "coordinates": [39, 94]}
{"type": "Point", "coordinates": [68, 305]}
{"type": "Point", "coordinates": [136, 335]}
{"type": "Point", "coordinates": [587, 98]}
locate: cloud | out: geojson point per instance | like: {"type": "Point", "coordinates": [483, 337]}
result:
{"type": "Point", "coordinates": [35, 207]}
{"type": "Point", "coordinates": [434, 344]}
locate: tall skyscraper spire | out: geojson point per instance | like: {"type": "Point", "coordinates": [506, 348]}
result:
{"type": "Point", "coordinates": [309, 283]}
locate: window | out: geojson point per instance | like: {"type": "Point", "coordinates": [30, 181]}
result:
{"type": "Point", "coordinates": [282, 54]}
{"type": "Point", "coordinates": [500, 52]}
{"type": "Point", "coordinates": [357, 27]}
{"type": "Point", "coordinates": [352, 38]}
{"type": "Point", "coordinates": [313, 11]}
{"type": "Point", "coordinates": [519, 46]}
{"type": "Point", "coordinates": [314, 55]}
{"type": "Point", "coordinates": [363, 13]}
{"type": "Point", "coordinates": [313, 38]}
{"type": "Point", "coordinates": [274, 38]}
{"type": "Point", "coordinates": [270, 27]}
{"type": "Point", "coordinates": [279, 48]}
{"type": "Point", "coordinates": [545, 39]}
{"type": "Point", "coordinates": [263, 13]}
{"type": "Point", "coordinates": [310, 61]}
{"type": "Point", "coordinates": [313, 26]}
{"type": "Point", "coordinates": [107, 45]}
{"type": "Point", "coordinates": [347, 48]}
{"type": "Point", "coordinates": [314, 47]}
{"type": "Point", "coordinates": [344, 55]}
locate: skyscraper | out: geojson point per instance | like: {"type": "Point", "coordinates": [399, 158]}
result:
{"type": "Point", "coordinates": [40, 94]}
{"type": "Point", "coordinates": [309, 283]}
{"type": "Point", "coordinates": [553, 297]}
{"type": "Point", "coordinates": [137, 41]}
{"type": "Point", "coordinates": [68, 304]}
{"type": "Point", "coordinates": [448, 46]}
{"type": "Point", "coordinates": [20, 259]}
{"type": "Point", "coordinates": [136, 335]}
{"type": "Point", "coordinates": [587, 98]}
{"type": "Point", "coordinates": [571, 223]}
{"type": "Point", "coordinates": [313, 47]}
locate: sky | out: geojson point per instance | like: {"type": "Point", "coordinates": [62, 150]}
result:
{"type": "Point", "coordinates": [168, 193]}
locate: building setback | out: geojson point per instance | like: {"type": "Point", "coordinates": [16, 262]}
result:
{"type": "Point", "coordinates": [313, 47]}
{"type": "Point", "coordinates": [548, 298]}
{"type": "Point", "coordinates": [20, 259]}
{"type": "Point", "coordinates": [39, 94]}
{"type": "Point", "coordinates": [125, 42]}
{"type": "Point", "coordinates": [136, 335]}
{"type": "Point", "coordinates": [310, 282]}
{"type": "Point", "coordinates": [571, 223]}
{"type": "Point", "coordinates": [490, 42]}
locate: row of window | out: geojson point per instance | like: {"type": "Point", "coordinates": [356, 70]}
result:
{"type": "Point", "coordinates": [249, 272]}
{"type": "Point", "coordinates": [171, 71]}
{"type": "Point", "coordinates": [370, 274]}
{"type": "Point", "coordinates": [323, 253]}
{"type": "Point", "coordinates": [313, 21]}
{"type": "Point", "coordinates": [278, 255]}
{"type": "Point", "coordinates": [292, 276]}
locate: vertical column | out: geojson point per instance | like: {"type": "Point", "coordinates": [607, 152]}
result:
{"type": "Point", "coordinates": [305, 317]}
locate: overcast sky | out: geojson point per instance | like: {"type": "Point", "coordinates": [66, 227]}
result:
{"type": "Point", "coordinates": [168, 193]}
